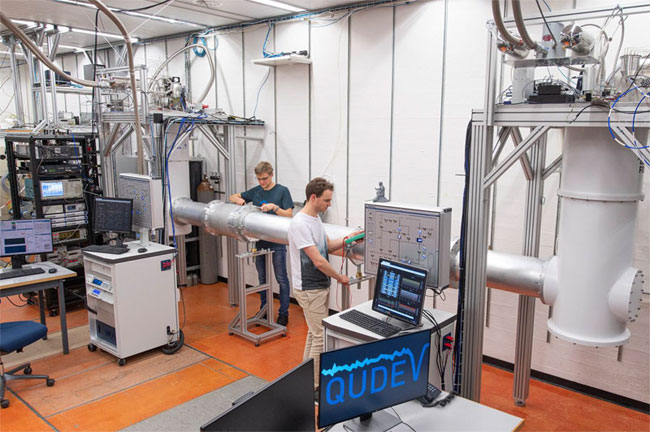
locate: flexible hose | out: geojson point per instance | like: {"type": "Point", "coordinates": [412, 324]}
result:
{"type": "Point", "coordinates": [185, 48]}
{"type": "Point", "coordinates": [505, 34]}
{"type": "Point", "coordinates": [129, 51]}
{"type": "Point", "coordinates": [521, 27]}
{"type": "Point", "coordinates": [42, 57]}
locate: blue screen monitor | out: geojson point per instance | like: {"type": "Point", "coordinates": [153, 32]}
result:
{"type": "Point", "coordinates": [25, 237]}
{"type": "Point", "coordinates": [399, 291]}
{"type": "Point", "coordinates": [361, 379]}
{"type": "Point", "coordinates": [52, 189]}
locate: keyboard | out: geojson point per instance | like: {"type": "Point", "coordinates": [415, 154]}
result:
{"type": "Point", "coordinates": [21, 272]}
{"type": "Point", "coordinates": [107, 249]}
{"type": "Point", "coordinates": [382, 328]}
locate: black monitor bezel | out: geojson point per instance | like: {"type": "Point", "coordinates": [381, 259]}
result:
{"type": "Point", "coordinates": [31, 253]}
{"type": "Point", "coordinates": [428, 363]}
{"type": "Point", "coordinates": [95, 213]}
{"type": "Point", "coordinates": [378, 285]}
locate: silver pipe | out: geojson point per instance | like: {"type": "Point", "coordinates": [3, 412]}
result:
{"type": "Point", "coordinates": [42, 57]}
{"type": "Point", "coordinates": [246, 222]}
{"type": "Point", "coordinates": [513, 273]}
{"type": "Point", "coordinates": [503, 31]}
{"type": "Point", "coordinates": [521, 27]}
{"type": "Point", "coordinates": [17, 87]}
{"type": "Point", "coordinates": [134, 90]}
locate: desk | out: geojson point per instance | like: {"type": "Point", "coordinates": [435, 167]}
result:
{"type": "Point", "coordinates": [458, 415]}
{"type": "Point", "coordinates": [40, 282]}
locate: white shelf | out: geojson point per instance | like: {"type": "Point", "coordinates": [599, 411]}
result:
{"type": "Point", "coordinates": [283, 60]}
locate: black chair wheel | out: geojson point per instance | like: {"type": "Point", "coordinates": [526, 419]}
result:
{"type": "Point", "coordinates": [28, 370]}
{"type": "Point", "coordinates": [121, 362]}
{"type": "Point", "coordinates": [4, 403]}
{"type": "Point", "coordinates": [50, 382]}
{"type": "Point", "coordinates": [257, 344]}
{"type": "Point", "coordinates": [53, 313]}
{"type": "Point", "coordinates": [92, 348]}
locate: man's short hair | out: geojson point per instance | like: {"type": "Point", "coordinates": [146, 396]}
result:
{"type": "Point", "coordinates": [263, 168]}
{"type": "Point", "coordinates": [317, 186]}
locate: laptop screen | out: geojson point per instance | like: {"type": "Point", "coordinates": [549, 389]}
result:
{"type": "Point", "coordinates": [400, 291]}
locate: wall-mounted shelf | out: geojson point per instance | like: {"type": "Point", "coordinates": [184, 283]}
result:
{"type": "Point", "coordinates": [283, 60]}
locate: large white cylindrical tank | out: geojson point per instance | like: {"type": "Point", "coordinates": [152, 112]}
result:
{"type": "Point", "coordinates": [591, 283]}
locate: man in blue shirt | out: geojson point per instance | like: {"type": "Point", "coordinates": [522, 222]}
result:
{"type": "Point", "coordinates": [275, 199]}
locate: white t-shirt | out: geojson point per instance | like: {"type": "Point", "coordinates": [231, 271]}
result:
{"type": "Point", "coordinates": [306, 231]}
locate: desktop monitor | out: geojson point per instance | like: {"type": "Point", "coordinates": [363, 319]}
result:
{"type": "Point", "coordinates": [399, 291]}
{"type": "Point", "coordinates": [113, 215]}
{"type": "Point", "coordinates": [286, 404]}
{"type": "Point", "coordinates": [359, 380]}
{"type": "Point", "coordinates": [52, 189]}
{"type": "Point", "coordinates": [25, 237]}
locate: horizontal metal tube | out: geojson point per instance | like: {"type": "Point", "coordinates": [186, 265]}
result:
{"type": "Point", "coordinates": [513, 273]}
{"type": "Point", "coordinates": [243, 222]}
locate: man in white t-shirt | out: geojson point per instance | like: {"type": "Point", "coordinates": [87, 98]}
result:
{"type": "Point", "coordinates": [311, 271]}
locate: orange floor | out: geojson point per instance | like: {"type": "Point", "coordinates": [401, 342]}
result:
{"type": "Point", "coordinates": [93, 393]}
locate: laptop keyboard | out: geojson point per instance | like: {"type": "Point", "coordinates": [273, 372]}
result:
{"type": "Point", "coordinates": [370, 323]}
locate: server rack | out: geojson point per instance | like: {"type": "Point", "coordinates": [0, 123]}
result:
{"type": "Point", "coordinates": [38, 161]}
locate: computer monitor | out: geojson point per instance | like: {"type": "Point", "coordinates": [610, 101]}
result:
{"type": "Point", "coordinates": [113, 215]}
{"type": "Point", "coordinates": [286, 404]}
{"type": "Point", "coordinates": [21, 237]}
{"type": "Point", "coordinates": [400, 291]}
{"type": "Point", "coordinates": [361, 379]}
{"type": "Point", "coordinates": [52, 189]}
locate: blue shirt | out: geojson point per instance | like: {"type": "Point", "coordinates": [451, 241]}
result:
{"type": "Point", "coordinates": [278, 195]}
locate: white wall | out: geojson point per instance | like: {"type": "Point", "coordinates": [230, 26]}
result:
{"type": "Point", "coordinates": [368, 109]}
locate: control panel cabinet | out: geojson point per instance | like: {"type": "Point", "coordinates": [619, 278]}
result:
{"type": "Point", "coordinates": [132, 299]}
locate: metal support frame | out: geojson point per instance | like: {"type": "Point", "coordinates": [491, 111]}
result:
{"type": "Point", "coordinates": [264, 317]}
{"type": "Point", "coordinates": [483, 156]}
{"type": "Point", "coordinates": [526, 312]}
{"type": "Point", "coordinates": [231, 243]}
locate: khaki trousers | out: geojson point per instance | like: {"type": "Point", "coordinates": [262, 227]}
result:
{"type": "Point", "coordinates": [315, 305]}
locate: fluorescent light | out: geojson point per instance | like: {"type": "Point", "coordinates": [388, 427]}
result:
{"type": "Point", "coordinates": [7, 53]}
{"type": "Point", "coordinates": [106, 35]}
{"type": "Point", "coordinates": [279, 5]}
{"type": "Point", "coordinates": [77, 49]}
{"type": "Point", "coordinates": [136, 14]}
{"type": "Point", "coordinates": [27, 23]}
{"type": "Point", "coordinates": [61, 29]}
{"type": "Point", "coordinates": [163, 19]}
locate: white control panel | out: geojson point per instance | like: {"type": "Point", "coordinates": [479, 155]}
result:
{"type": "Point", "coordinates": [146, 194]}
{"type": "Point", "coordinates": [414, 235]}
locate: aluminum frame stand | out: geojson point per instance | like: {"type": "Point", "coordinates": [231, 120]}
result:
{"type": "Point", "coordinates": [239, 325]}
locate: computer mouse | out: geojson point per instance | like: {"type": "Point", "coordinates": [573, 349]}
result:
{"type": "Point", "coordinates": [141, 250]}
{"type": "Point", "coordinates": [52, 270]}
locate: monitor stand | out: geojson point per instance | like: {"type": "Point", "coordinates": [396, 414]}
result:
{"type": "Point", "coordinates": [377, 421]}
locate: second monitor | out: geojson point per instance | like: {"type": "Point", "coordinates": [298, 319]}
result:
{"type": "Point", "coordinates": [400, 291]}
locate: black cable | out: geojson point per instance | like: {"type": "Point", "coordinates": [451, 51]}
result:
{"type": "Point", "coordinates": [593, 104]}
{"type": "Point", "coordinates": [143, 8]}
{"type": "Point", "coordinates": [546, 23]}
{"type": "Point", "coordinates": [460, 310]}
{"type": "Point", "coordinates": [20, 306]}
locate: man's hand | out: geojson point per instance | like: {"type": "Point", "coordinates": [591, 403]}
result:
{"type": "Point", "coordinates": [239, 201]}
{"type": "Point", "coordinates": [355, 233]}
{"type": "Point", "coordinates": [266, 208]}
{"type": "Point", "coordinates": [343, 279]}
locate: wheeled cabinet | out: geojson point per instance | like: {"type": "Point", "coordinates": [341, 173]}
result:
{"type": "Point", "coordinates": [132, 301]}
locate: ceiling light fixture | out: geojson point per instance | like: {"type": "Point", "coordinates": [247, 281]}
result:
{"type": "Point", "coordinates": [77, 49]}
{"type": "Point", "coordinates": [279, 5]}
{"type": "Point", "coordinates": [106, 35]}
{"type": "Point", "coordinates": [135, 14]}
{"type": "Point", "coordinates": [22, 22]}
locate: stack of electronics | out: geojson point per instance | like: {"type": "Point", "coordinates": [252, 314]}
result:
{"type": "Point", "coordinates": [551, 92]}
{"type": "Point", "coordinates": [60, 172]}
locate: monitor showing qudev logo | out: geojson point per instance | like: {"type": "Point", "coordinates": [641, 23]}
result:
{"type": "Point", "coordinates": [372, 376]}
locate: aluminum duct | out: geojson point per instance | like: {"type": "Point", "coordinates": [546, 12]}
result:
{"type": "Point", "coordinates": [246, 222]}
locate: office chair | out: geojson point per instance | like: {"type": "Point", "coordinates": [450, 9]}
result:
{"type": "Point", "coordinates": [14, 336]}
